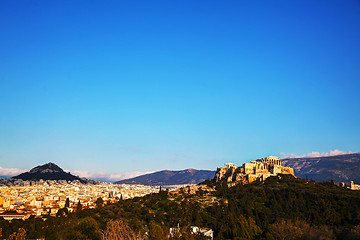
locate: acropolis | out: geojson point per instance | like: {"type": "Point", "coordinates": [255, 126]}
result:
{"type": "Point", "coordinates": [256, 170]}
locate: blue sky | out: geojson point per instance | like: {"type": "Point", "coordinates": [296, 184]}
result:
{"type": "Point", "coordinates": [124, 86]}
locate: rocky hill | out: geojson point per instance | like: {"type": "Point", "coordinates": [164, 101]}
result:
{"type": "Point", "coordinates": [49, 171]}
{"type": "Point", "coordinates": [166, 177]}
{"type": "Point", "coordinates": [256, 170]}
{"type": "Point", "coordinates": [341, 168]}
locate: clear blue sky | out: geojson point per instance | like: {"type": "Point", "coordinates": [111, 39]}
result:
{"type": "Point", "coordinates": [119, 86]}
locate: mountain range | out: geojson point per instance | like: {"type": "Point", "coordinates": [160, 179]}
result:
{"type": "Point", "coordinates": [51, 171]}
{"type": "Point", "coordinates": [166, 177]}
{"type": "Point", "coordinates": [340, 168]}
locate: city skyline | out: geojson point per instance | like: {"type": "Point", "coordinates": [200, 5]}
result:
{"type": "Point", "coordinates": [129, 88]}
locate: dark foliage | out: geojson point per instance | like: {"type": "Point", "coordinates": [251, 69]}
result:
{"type": "Point", "coordinates": [282, 207]}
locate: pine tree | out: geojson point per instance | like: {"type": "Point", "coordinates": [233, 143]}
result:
{"type": "Point", "coordinates": [78, 207]}
{"type": "Point", "coordinates": [99, 202]}
{"type": "Point", "coordinates": [67, 203]}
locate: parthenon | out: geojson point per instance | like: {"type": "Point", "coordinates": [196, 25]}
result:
{"type": "Point", "coordinates": [258, 169]}
{"type": "Point", "coordinates": [270, 160]}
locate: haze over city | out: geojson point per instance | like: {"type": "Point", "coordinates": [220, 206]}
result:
{"type": "Point", "coordinates": [122, 88]}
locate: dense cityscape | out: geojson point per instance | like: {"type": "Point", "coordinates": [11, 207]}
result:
{"type": "Point", "coordinates": [25, 198]}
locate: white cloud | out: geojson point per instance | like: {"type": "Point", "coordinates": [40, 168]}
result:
{"type": "Point", "coordinates": [315, 154]}
{"type": "Point", "coordinates": [108, 176]}
{"type": "Point", "coordinates": [289, 155]}
{"type": "Point", "coordinates": [10, 172]}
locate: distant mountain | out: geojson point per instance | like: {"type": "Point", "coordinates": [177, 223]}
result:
{"type": "Point", "coordinates": [49, 171]}
{"type": "Point", "coordinates": [166, 177]}
{"type": "Point", "coordinates": [341, 168]}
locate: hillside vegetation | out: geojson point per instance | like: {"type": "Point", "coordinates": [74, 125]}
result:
{"type": "Point", "coordinates": [282, 207]}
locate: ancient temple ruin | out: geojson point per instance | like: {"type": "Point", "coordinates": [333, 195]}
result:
{"type": "Point", "coordinates": [258, 169]}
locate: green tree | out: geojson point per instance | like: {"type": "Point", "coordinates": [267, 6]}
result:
{"type": "Point", "coordinates": [67, 203]}
{"type": "Point", "coordinates": [156, 231]}
{"type": "Point", "coordinates": [99, 202]}
{"type": "Point", "coordinates": [89, 227]}
{"type": "Point", "coordinates": [78, 207]}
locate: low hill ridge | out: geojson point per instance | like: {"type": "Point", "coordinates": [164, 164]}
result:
{"type": "Point", "coordinates": [167, 177]}
{"type": "Point", "coordinates": [340, 168]}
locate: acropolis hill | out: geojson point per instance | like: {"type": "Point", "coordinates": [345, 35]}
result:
{"type": "Point", "coordinates": [258, 169]}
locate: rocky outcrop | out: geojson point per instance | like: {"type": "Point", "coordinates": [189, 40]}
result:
{"type": "Point", "coordinates": [257, 170]}
{"type": "Point", "coordinates": [49, 171]}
